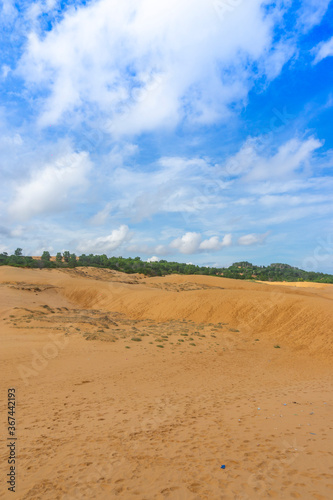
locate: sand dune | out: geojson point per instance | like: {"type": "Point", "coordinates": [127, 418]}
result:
{"type": "Point", "coordinates": [133, 387]}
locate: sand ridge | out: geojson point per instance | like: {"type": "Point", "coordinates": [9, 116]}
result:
{"type": "Point", "coordinates": [133, 387]}
{"type": "Point", "coordinates": [281, 313]}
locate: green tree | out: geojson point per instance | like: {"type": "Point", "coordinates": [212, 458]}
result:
{"type": "Point", "coordinates": [104, 261]}
{"type": "Point", "coordinates": [58, 257]}
{"type": "Point", "coordinates": [3, 258]}
{"type": "Point", "coordinates": [46, 256]}
{"type": "Point", "coordinates": [66, 256]}
{"type": "Point", "coordinates": [72, 262]}
{"type": "Point", "coordinates": [18, 252]}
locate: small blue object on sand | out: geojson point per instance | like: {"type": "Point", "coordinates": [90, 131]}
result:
{"type": "Point", "coordinates": [222, 466]}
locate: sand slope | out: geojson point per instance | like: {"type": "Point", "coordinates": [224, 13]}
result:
{"type": "Point", "coordinates": [132, 387]}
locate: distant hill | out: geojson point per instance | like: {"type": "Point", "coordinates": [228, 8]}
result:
{"type": "Point", "coordinates": [239, 270]}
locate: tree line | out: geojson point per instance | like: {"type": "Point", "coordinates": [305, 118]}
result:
{"type": "Point", "coordinates": [239, 270]}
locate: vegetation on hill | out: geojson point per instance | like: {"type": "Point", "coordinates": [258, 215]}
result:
{"type": "Point", "coordinates": [238, 270]}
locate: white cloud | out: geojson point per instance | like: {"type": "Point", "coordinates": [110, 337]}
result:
{"type": "Point", "coordinates": [121, 153]}
{"type": "Point", "coordinates": [231, 194]}
{"type": "Point", "coordinates": [5, 70]}
{"type": "Point", "coordinates": [101, 217]}
{"type": "Point", "coordinates": [252, 239]}
{"type": "Point", "coordinates": [145, 64]}
{"type": "Point", "coordinates": [4, 248]}
{"type": "Point", "coordinates": [37, 8]}
{"type": "Point", "coordinates": [227, 240]}
{"type": "Point", "coordinates": [284, 164]}
{"type": "Point", "coordinates": [161, 189]}
{"type": "Point", "coordinates": [17, 232]}
{"type": "Point", "coordinates": [191, 243]}
{"type": "Point", "coordinates": [311, 12]}
{"type": "Point", "coordinates": [11, 140]}
{"type": "Point", "coordinates": [286, 200]}
{"type": "Point", "coordinates": [162, 250]}
{"type": "Point", "coordinates": [8, 11]}
{"type": "Point", "coordinates": [323, 50]}
{"type": "Point", "coordinates": [39, 250]}
{"type": "Point", "coordinates": [108, 243]}
{"type": "Point", "coordinates": [188, 244]}
{"type": "Point", "coordinates": [51, 189]}
{"type": "Point", "coordinates": [214, 243]}
{"type": "Point", "coordinates": [291, 156]}
{"type": "Point", "coordinates": [153, 259]}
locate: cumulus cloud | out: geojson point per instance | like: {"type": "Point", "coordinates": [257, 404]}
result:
{"type": "Point", "coordinates": [252, 239]}
{"type": "Point", "coordinates": [214, 243]}
{"type": "Point", "coordinates": [145, 64]}
{"type": "Point", "coordinates": [108, 243]}
{"type": "Point", "coordinates": [191, 243]}
{"type": "Point", "coordinates": [153, 259]}
{"type": "Point", "coordinates": [52, 188]}
{"type": "Point", "coordinates": [227, 240]}
{"type": "Point", "coordinates": [323, 50]}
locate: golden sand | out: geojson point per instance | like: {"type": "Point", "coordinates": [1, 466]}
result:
{"type": "Point", "coordinates": [132, 387]}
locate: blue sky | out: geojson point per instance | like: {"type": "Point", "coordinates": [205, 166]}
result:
{"type": "Point", "coordinates": [190, 130]}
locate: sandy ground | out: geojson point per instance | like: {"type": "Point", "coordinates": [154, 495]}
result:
{"type": "Point", "coordinates": [141, 388]}
{"type": "Point", "coordinates": [297, 284]}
